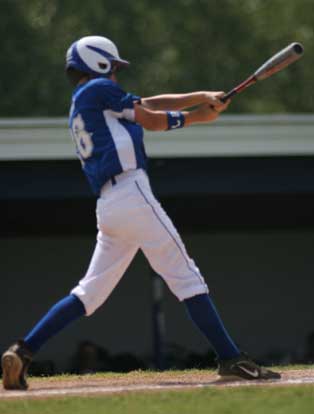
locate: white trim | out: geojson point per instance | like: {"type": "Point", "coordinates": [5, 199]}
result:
{"type": "Point", "coordinates": [230, 136]}
{"type": "Point", "coordinates": [123, 142]}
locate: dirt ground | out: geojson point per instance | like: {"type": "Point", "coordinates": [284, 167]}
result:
{"type": "Point", "coordinates": [141, 381]}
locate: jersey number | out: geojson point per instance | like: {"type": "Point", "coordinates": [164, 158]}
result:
{"type": "Point", "coordinates": [82, 138]}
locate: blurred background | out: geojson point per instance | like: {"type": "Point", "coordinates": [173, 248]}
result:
{"type": "Point", "coordinates": [240, 191]}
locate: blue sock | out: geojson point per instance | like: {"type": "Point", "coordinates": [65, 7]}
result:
{"type": "Point", "coordinates": [205, 316]}
{"type": "Point", "coordinates": [59, 316]}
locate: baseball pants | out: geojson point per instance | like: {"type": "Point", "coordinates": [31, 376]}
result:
{"type": "Point", "coordinates": [130, 218]}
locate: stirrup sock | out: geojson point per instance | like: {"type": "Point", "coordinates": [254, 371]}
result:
{"type": "Point", "coordinates": [203, 313]}
{"type": "Point", "coordinates": [58, 317]}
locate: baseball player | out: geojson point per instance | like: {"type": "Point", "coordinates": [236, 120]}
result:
{"type": "Point", "coordinates": [107, 125]}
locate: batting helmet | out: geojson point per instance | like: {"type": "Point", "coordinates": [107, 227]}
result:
{"type": "Point", "coordinates": [94, 55]}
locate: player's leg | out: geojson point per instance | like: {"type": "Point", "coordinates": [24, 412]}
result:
{"type": "Point", "coordinates": [167, 255]}
{"type": "Point", "coordinates": [16, 360]}
{"type": "Point", "coordinates": [109, 262]}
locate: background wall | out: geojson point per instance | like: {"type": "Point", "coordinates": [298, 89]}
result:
{"type": "Point", "coordinates": [261, 281]}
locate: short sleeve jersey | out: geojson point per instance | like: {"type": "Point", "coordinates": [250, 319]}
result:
{"type": "Point", "coordinates": [108, 140]}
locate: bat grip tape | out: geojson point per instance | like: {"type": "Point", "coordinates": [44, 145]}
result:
{"type": "Point", "coordinates": [228, 95]}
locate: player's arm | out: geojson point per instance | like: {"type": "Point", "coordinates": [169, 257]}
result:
{"type": "Point", "coordinates": [167, 120]}
{"type": "Point", "coordinates": [175, 102]}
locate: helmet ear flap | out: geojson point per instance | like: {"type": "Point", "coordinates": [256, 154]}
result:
{"type": "Point", "coordinates": [105, 65]}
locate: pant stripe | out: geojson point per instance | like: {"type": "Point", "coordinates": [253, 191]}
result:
{"type": "Point", "coordinates": [170, 234]}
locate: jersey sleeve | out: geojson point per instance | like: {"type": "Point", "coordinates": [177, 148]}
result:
{"type": "Point", "coordinates": [120, 103]}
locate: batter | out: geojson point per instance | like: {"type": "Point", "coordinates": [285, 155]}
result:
{"type": "Point", "coordinates": [107, 124]}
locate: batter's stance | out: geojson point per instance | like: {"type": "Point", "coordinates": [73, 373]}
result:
{"type": "Point", "coordinates": [107, 127]}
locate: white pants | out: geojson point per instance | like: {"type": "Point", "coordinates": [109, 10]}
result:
{"type": "Point", "coordinates": [130, 218]}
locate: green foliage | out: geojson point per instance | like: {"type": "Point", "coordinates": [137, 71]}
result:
{"type": "Point", "coordinates": [177, 46]}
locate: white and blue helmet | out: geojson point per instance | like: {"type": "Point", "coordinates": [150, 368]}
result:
{"type": "Point", "coordinates": [94, 55]}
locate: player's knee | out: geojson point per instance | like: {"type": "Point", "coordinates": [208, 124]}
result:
{"type": "Point", "coordinates": [186, 289]}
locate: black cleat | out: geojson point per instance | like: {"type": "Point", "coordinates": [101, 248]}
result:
{"type": "Point", "coordinates": [15, 362]}
{"type": "Point", "coordinates": [243, 367]}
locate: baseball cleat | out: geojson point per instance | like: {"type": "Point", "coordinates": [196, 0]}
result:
{"type": "Point", "coordinates": [15, 362]}
{"type": "Point", "coordinates": [243, 367]}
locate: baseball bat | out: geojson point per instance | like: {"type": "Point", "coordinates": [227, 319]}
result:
{"type": "Point", "coordinates": [273, 65]}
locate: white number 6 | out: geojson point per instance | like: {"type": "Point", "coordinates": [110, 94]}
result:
{"type": "Point", "coordinates": [82, 138]}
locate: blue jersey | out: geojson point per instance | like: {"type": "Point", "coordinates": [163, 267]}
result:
{"type": "Point", "coordinates": [107, 139]}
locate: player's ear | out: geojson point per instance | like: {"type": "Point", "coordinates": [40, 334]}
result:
{"type": "Point", "coordinates": [114, 67]}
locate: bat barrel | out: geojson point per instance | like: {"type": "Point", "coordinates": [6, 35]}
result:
{"type": "Point", "coordinates": [280, 60]}
{"type": "Point", "coordinates": [297, 48]}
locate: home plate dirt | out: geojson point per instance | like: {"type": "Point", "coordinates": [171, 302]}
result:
{"type": "Point", "coordinates": [90, 385]}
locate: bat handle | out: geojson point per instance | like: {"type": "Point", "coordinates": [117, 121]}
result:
{"type": "Point", "coordinates": [228, 95]}
{"type": "Point", "coordinates": [249, 81]}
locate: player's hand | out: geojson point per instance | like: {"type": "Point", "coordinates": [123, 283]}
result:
{"type": "Point", "coordinates": [202, 113]}
{"type": "Point", "coordinates": [213, 99]}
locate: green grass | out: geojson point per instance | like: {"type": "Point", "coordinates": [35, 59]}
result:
{"type": "Point", "coordinates": [247, 400]}
{"type": "Point", "coordinates": [297, 399]}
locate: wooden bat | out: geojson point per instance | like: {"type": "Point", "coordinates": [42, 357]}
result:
{"type": "Point", "coordinates": [276, 63]}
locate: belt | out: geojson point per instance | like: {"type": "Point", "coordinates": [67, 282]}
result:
{"type": "Point", "coordinates": [113, 180]}
{"type": "Point", "coordinates": [124, 176]}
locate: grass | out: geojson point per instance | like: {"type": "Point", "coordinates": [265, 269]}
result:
{"type": "Point", "coordinates": [296, 400]}
{"type": "Point", "coordinates": [149, 374]}
{"type": "Point", "coordinates": [244, 400]}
